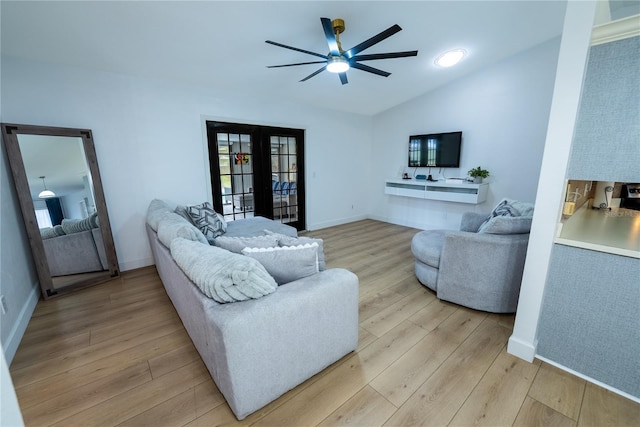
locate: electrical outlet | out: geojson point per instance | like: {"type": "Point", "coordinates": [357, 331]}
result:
{"type": "Point", "coordinates": [3, 304]}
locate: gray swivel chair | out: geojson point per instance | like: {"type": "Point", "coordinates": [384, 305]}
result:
{"type": "Point", "coordinates": [477, 269]}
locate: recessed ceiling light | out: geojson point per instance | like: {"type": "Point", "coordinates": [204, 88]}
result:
{"type": "Point", "coordinates": [450, 58]}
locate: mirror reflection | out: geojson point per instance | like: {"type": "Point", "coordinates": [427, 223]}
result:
{"type": "Point", "coordinates": [57, 182]}
{"type": "Point", "coordinates": [61, 189]}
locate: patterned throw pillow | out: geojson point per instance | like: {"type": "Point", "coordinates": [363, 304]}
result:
{"type": "Point", "coordinates": [208, 221]}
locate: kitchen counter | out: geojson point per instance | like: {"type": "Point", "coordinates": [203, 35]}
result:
{"type": "Point", "coordinates": [615, 231]}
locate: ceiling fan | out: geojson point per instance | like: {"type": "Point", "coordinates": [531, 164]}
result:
{"type": "Point", "coordinates": [338, 60]}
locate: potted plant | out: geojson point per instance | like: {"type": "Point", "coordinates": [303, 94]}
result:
{"type": "Point", "coordinates": [477, 174]}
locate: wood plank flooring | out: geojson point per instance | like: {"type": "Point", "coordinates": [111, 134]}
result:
{"type": "Point", "coordinates": [117, 354]}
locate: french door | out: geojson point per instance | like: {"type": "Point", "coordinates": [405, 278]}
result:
{"type": "Point", "coordinates": [257, 171]}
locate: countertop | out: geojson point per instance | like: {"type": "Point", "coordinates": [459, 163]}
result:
{"type": "Point", "coordinates": [615, 231]}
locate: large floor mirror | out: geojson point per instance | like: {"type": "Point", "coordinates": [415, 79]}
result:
{"type": "Point", "coordinates": [57, 181]}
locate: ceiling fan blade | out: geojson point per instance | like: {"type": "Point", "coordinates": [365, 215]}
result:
{"type": "Point", "coordinates": [373, 40]}
{"type": "Point", "coordinates": [385, 55]}
{"type": "Point", "coordinates": [343, 78]}
{"type": "Point", "coordinates": [331, 37]}
{"type": "Point", "coordinates": [296, 49]}
{"type": "Point", "coordinates": [369, 69]}
{"type": "Point", "coordinates": [313, 74]}
{"type": "Point", "coordinates": [299, 63]}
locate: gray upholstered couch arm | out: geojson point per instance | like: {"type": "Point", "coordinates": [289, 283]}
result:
{"type": "Point", "coordinates": [488, 261]}
{"type": "Point", "coordinates": [265, 347]}
{"type": "Point", "coordinates": [471, 221]}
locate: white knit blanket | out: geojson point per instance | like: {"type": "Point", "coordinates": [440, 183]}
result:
{"type": "Point", "coordinates": [220, 274]}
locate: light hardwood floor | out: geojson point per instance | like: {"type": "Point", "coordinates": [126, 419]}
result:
{"type": "Point", "coordinates": [117, 354]}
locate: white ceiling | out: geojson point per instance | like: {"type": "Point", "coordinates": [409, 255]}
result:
{"type": "Point", "coordinates": [221, 45]}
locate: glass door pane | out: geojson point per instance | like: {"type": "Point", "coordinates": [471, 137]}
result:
{"type": "Point", "coordinates": [284, 177]}
{"type": "Point", "coordinates": [235, 160]}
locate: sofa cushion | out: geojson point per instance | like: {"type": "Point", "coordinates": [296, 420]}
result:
{"type": "Point", "coordinates": [284, 240]}
{"type": "Point", "coordinates": [287, 263]}
{"type": "Point", "coordinates": [507, 225]}
{"type": "Point", "coordinates": [220, 274]}
{"type": "Point", "coordinates": [172, 226]}
{"type": "Point", "coordinates": [256, 226]}
{"type": "Point", "coordinates": [208, 221]}
{"type": "Point", "coordinates": [237, 244]}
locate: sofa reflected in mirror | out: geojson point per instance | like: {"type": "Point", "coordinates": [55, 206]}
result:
{"type": "Point", "coordinates": [58, 186]}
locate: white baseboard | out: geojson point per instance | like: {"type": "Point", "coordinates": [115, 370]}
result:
{"type": "Point", "coordinates": [411, 224]}
{"type": "Point", "coordinates": [326, 224]}
{"type": "Point", "coordinates": [133, 265]}
{"type": "Point", "coordinates": [22, 321]}
{"type": "Point", "coordinates": [522, 349]}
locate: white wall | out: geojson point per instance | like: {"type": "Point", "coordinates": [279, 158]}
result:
{"type": "Point", "coordinates": [10, 415]}
{"type": "Point", "coordinates": [150, 141]}
{"type": "Point", "coordinates": [71, 205]}
{"type": "Point", "coordinates": [18, 278]}
{"type": "Point", "coordinates": [502, 111]}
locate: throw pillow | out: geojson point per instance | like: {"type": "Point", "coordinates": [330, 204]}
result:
{"type": "Point", "coordinates": [93, 218]}
{"type": "Point", "coordinates": [222, 275]}
{"type": "Point", "coordinates": [182, 211]}
{"type": "Point", "coordinates": [507, 208]}
{"type": "Point", "coordinates": [208, 221]}
{"type": "Point", "coordinates": [172, 226]}
{"type": "Point", "coordinates": [237, 244]}
{"type": "Point", "coordinates": [156, 211]}
{"type": "Point", "coordinates": [76, 225]}
{"type": "Point", "coordinates": [59, 231]}
{"type": "Point", "coordinates": [287, 263]}
{"type": "Point", "coordinates": [48, 233]}
{"type": "Point", "coordinates": [507, 225]}
{"type": "Point", "coordinates": [284, 240]}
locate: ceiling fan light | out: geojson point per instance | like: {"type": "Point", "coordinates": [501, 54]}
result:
{"type": "Point", "coordinates": [450, 58]}
{"type": "Point", "coordinates": [337, 64]}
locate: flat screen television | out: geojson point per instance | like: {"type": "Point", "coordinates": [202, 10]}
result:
{"type": "Point", "coordinates": [438, 150]}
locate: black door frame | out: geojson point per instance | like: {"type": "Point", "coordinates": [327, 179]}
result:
{"type": "Point", "coordinates": [261, 151]}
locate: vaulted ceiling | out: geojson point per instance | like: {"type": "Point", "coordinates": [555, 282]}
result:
{"type": "Point", "coordinates": [221, 45]}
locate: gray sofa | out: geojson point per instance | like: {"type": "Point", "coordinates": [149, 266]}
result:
{"type": "Point", "coordinates": [256, 350]}
{"type": "Point", "coordinates": [479, 270]}
{"type": "Point", "coordinates": [75, 253]}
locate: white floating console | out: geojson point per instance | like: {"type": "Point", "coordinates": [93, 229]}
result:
{"type": "Point", "coordinates": [437, 190]}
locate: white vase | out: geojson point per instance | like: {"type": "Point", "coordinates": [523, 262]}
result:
{"type": "Point", "coordinates": [477, 180]}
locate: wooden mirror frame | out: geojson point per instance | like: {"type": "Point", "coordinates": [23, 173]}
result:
{"type": "Point", "coordinates": [10, 133]}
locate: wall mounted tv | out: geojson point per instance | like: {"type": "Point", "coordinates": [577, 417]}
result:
{"type": "Point", "coordinates": [438, 150]}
